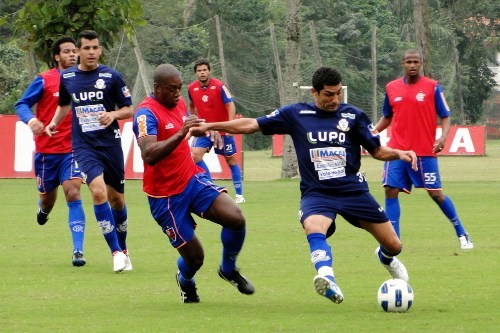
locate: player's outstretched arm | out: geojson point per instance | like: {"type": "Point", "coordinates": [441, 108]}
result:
{"type": "Point", "coordinates": [388, 154]}
{"type": "Point", "coordinates": [236, 126]}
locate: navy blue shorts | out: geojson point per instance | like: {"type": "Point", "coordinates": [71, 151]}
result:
{"type": "Point", "coordinates": [205, 142]}
{"type": "Point", "coordinates": [94, 161]}
{"type": "Point", "coordinates": [51, 170]}
{"type": "Point", "coordinates": [173, 214]}
{"type": "Point", "coordinates": [353, 207]}
{"type": "Point", "coordinates": [399, 174]}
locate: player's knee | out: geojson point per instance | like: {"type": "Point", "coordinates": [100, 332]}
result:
{"type": "Point", "coordinates": [195, 261]}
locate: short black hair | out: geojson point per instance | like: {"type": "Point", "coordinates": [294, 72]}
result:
{"type": "Point", "coordinates": [325, 76]}
{"type": "Point", "coordinates": [413, 52]}
{"type": "Point", "coordinates": [200, 62]}
{"type": "Point", "coordinates": [56, 48]}
{"type": "Point", "coordinates": [87, 34]}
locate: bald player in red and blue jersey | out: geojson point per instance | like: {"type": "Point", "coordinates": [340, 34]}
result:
{"type": "Point", "coordinates": [412, 107]}
{"type": "Point", "coordinates": [176, 187]}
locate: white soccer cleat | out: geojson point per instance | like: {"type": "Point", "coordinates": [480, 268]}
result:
{"type": "Point", "coordinates": [128, 263]}
{"type": "Point", "coordinates": [239, 199]}
{"type": "Point", "coordinates": [395, 268]}
{"type": "Point", "coordinates": [119, 261]}
{"type": "Point", "coordinates": [327, 288]}
{"type": "Point", "coordinates": [465, 242]}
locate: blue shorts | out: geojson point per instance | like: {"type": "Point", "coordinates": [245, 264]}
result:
{"type": "Point", "coordinates": [205, 142]}
{"type": "Point", "coordinates": [51, 170]}
{"type": "Point", "coordinates": [173, 214]}
{"type": "Point", "coordinates": [353, 207]}
{"type": "Point", "coordinates": [94, 161]}
{"type": "Point", "coordinates": [399, 174]}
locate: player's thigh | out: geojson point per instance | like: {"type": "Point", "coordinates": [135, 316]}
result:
{"type": "Point", "coordinates": [47, 172]}
{"type": "Point", "coordinates": [427, 176]}
{"type": "Point", "coordinates": [173, 217]}
{"type": "Point", "coordinates": [318, 209]}
{"type": "Point", "coordinates": [395, 174]}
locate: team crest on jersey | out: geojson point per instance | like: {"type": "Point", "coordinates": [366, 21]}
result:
{"type": "Point", "coordinates": [343, 125]}
{"type": "Point", "coordinates": [204, 98]}
{"type": "Point", "coordinates": [126, 92]}
{"type": "Point", "coordinates": [273, 114]}
{"type": "Point", "coordinates": [170, 232]}
{"type": "Point", "coordinates": [100, 84]}
{"type": "Point", "coordinates": [420, 97]}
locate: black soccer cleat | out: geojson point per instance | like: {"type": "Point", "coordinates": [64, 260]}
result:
{"type": "Point", "coordinates": [78, 259]}
{"type": "Point", "coordinates": [239, 281]}
{"type": "Point", "coordinates": [41, 217]}
{"type": "Point", "coordinates": [188, 292]}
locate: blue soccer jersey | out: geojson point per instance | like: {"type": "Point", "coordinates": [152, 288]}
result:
{"type": "Point", "coordinates": [89, 93]}
{"type": "Point", "coordinates": [327, 144]}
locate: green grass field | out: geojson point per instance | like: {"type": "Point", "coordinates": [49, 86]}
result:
{"type": "Point", "coordinates": [455, 291]}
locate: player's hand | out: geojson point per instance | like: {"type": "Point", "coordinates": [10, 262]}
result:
{"type": "Point", "coordinates": [438, 145]}
{"type": "Point", "coordinates": [106, 118]}
{"type": "Point", "coordinates": [410, 157]}
{"type": "Point", "coordinates": [216, 138]}
{"type": "Point", "coordinates": [50, 129]}
{"type": "Point", "coordinates": [200, 129]}
{"type": "Point", "coordinates": [36, 126]}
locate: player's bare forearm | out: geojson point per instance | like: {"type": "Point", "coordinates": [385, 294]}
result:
{"type": "Point", "coordinates": [236, 126]}
{"type": "Point", "coordinates": [59, 115]}
{"type": "Point", "coordinates": [388, 154]}
{"type": "Point", "coordinates": [383, 123]}
{"type": "Point", "coordinates": [125, 112]}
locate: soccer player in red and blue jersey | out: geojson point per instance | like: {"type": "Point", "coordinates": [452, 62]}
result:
{"type": "Point", "coordinates": [412, 107]}
{"type": "Point", "coordinates": [327, 136]}
{"type": "Point", "coordinates": [54, 162]}
{"type": "Point", "coordinates": [211, 100]}
{"type": "Point", "coordinates": [92, 92]}
{"type": "Point", "coordinates": [176, 187]}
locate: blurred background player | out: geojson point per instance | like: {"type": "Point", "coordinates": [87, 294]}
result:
{"type": "Point", "coordinates": [92, 91]}
{"type": "Point", "coordinates": [412, 105]}
{"type": "Point", "coordinates": [176, 187]}
{"type": "Point", "coordinates": [54, 161]}
{"type": "Point", "coordinates": [211, 100]}
{"type": "Point", "coordinates": [327, 135]}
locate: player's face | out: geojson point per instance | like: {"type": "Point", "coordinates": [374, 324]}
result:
{"type": "Point", "coordinates": [67, 55]}
{"type": "Point", "coordinates": [168, 92]}
{"type": "Point", "coordinates": [412, 64]}
{"type": "Point", "coordinates": [202, 73]}
{"type": "Point", "coordinates": [329, 98]}
{"type": "Point", "coordinates": [89, 53]}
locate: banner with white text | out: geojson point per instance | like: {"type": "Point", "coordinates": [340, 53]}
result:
{"type": "Point", "coordinates": [462, 140]}
{"type": "Point", "coordinates": [18, 148]}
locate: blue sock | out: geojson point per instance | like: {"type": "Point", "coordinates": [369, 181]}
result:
{"type": "Point", "coordinates": [449, 210]}
{"type": "Point", "coordinates": [384, 256]}
{"type": "Point", "coordinates": [121, 223]}
{"type": "Point", "coordinates": [236, 176]}
{"type": "Point", "coordinates": [76, 222]}
{"type": "Point", "coordinates": [393, 211]}
{"type": "Point", "coordinates": [204, 166]}
{"type": "Point", "coordinates": [106, 223]}
{"type": "Point", "coordinates": [187, 273]}
{"type": "Point", "coordinates": [321, 255]}
{"type": "Point", "coordinates": [232, 242]}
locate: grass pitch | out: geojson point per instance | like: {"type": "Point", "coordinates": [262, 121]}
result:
{"type": "Point", "coordinates": [455, 290]}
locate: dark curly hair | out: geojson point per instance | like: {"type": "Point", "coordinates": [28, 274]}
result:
{"type": "Point", "coordinates": [325, 76]}
{"type": "Point", "coordinates": [56, 48]}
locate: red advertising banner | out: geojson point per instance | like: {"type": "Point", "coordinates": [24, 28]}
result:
{"type": "Point", "coordinates": [17, 151]}
{"type": "Point", "coordinates": [462, 140]}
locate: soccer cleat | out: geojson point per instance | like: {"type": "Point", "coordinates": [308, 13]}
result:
{"type": "Point", "coordinates": [41, 217]}
{"type": "Point", "coordinates": [188, 292]}
{"type": "Point", "coordinates": [395, 268]}
{"type": "Point", "coordinates": [239, 281]}
{"type": "Point", "coordinates": [465, 242]}
{"type": "Point", "coordinates": [119, 261]}
{"type": "Point", "coordinates": [78, 259]}
{"type": "Point", "coordinates": [128, 263]}
{"type": "Point", "coordinates": [326, 287]}
{"type": "Point", "coordinates": [239, 199]}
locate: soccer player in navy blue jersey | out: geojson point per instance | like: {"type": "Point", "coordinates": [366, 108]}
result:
{"type": "Point", "coordinates": [327, 136]}
{"type": "Point", "coordinates": [92, 91]}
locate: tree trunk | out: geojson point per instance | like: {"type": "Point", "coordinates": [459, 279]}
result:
{"type": "Point", "coordinates": [188, 11]}
{"type": "Point", "coordinates": [422, 33]}
{"type": "Point", "coordinates": [289, 167]}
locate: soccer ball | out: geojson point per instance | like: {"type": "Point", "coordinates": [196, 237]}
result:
{"type": "Point", "coordinates": [395, 295]}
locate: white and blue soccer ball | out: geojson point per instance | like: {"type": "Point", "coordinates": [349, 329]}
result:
{"type": "Point", "coordinates": [395, 295]}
